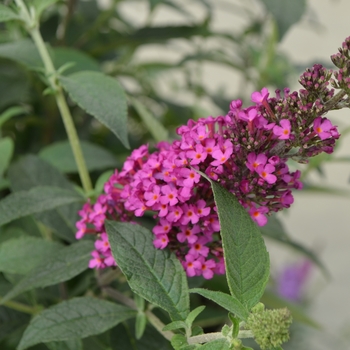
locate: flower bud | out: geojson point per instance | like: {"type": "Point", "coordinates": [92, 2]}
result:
{"type": "Point", "coordinates": [270, 327]}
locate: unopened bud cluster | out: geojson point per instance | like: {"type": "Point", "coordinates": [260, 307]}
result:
{"type": "Point", "coordinates": [270, 327]}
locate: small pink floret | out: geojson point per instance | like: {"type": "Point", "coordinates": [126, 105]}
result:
{"type": "Point", "coordinates": [283, 131]}
{"type": "Point", "coordinates": [259, 97]}
{"type": "Point", "coordinates": [257, 214]}
{"type": "Point", "coordinates": [322, 127]}
{"type": "Point", "coordinates": [265, 173]}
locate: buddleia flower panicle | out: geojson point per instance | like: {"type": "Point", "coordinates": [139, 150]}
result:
{"type": "Point", "coordinates": [246, 151]}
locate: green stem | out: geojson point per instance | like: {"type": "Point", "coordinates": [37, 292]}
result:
{"type": "Point", "coordinates": [152, 318]}
{"type": "Point", "coordinates": [120, 297]}
{"type": "Point", "coordinates": [74, 141]}
{"type": "Point", "coordinates": [22, 307]}
{"type": "Point", "coordinates": [245, 334]}
{"type": "Point", "coordinates": [51, 74]}
{"type": "Point", "coordinates": [158, 325]}
{"type": "Point", "coordinates": [205, 338]}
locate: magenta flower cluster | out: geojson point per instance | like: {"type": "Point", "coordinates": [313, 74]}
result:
{"type": "Point", "coordinates": [246, 151]}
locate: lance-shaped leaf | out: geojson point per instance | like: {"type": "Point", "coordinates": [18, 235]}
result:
{"type": "Point", "coordinates": [75, 318]}
{"type": "Point", "coordinates": [246, 259]}
{"type": "Point", "coordinates": [31, 250]}
{"type": "Point", "coordinates": [11, 112]}
{"type": "Point", "coordinates": [66, 264]}
{"type": "Point", "coordinates": [31, 171]}
{"type": "Point", "coordinates": [227, 301]}
{"type": "Point", "coordinates": [23, 51]}
{"type": "Point", "coordinates": [81, 61]}
{"type": "Point", "coordinates": [36, 200]}
{"type": "Point", "coordinates": [102, 97]}
{"type": "Point", "coordinates": [60, 155]}
{"type": "Point", "coordinates": [154, 274]}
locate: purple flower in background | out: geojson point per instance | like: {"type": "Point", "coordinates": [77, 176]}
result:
{"type": "Point", "coordinates": [292, 279]}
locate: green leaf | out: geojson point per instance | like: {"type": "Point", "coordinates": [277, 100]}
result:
{"type": "Point", "coordinates": [65, 264]}
{"type": "Point", "coordinates": [100, 182]}
{"type": "Point", "coordinates": [11, 112]}
{"type": "Point", "coordinates": [10, 233]}
{"type": "Point", "coordinates": [32, 250]}
{"type": "Point", "coordinates": [157, 130]}
{"type": "Point", "coordinates": [154, 274]}
{"type": "Point", "coordinates": [102, 97]}
{"type": "Point", "coordinates": [6, 14]}
{"type": "Point", "coordinates": [22, 51]}
{"type": "Point", "coordinates": [193, 315]}
{"type": "Point", "coordinates": [36, 200]}
{"type": "Point", "coordinates": [122, 338]}
{"type": "Point", "coordinates": [246, 259]}
{"type": "Point", "coordinates": [71, 344]}
{"type": "Point", "coordinates": [60, 155]}
{"type": "Point", "coordinates": [286, 13]}
{"type": "Point", "coordinates": [218, 344]}
{"type": "Point", "coordinates": [188, 347]}
{"type": "Point", "coordinates": [175, 325]}
{"type": "Point", "coordinates": [6, 151]}
{"type": "Point", "coordinates": [30, 171]}
{"type": "Point", "coordinates": [140, 325]}
{"type": "Point", "coordinates": [14, 86]}
{"type": "Point", "coordinates": [75, 318]}
{"type": "Point", "coordinates": [26, 226]}
{"type": "Point", "coordinates": [178, 341]}
{"type": "Point", "coordinates": [224, 300]}
{"type": "Point", "coordinates": [82, 62]}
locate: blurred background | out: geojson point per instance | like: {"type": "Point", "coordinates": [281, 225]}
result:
{"type": "Point", "coordinates": [181, 59]}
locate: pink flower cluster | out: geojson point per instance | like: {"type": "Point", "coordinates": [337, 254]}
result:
{"type": "Point", "coordinates": [246, 151]}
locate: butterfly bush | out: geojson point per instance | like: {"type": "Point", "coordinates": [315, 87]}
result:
{"type": "Point", "coordinates": [246, 151]}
